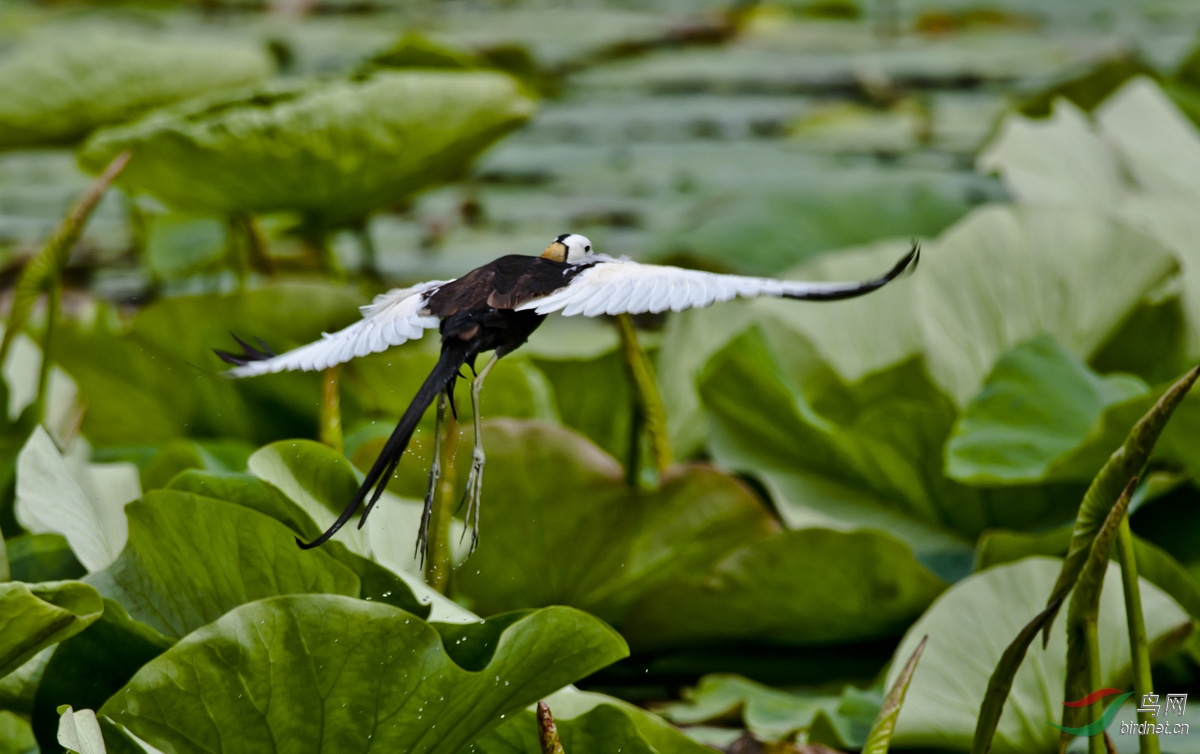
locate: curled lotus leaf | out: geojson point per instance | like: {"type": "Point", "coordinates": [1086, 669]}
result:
{"type": "Point", "coordinates": [57, 90]}
{"type": "Point", "coordinates": [334, 149]}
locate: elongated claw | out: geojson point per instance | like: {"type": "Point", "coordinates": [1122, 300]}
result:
{"type": "Point", "coordinates": [473, 495]}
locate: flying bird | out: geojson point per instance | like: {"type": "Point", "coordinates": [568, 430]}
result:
{"type": "Point", "coordinates": [496, 308]}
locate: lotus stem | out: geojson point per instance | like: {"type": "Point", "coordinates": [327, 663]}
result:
{"type": "Point", "coordinates": [439, 562]}
{"type": "Point", "coordinates": [1091, 638]}
{"type": "Point", "coordinates": [331, 410]}
{"type": "Point", "coordinates": [53, 299]}
{"type": "Point", "coordinates": [1139, 646]}
{"type": "Point", "coordinates": [45, 269]}
{"type": "Point", "coordinates": [316, 237]}
{"type": "Point", "coordinates": [366, 246]}
{"type": "Point", "coordinates": [256, 244]}
{"type": "Point", "coordinates": [648, 399]}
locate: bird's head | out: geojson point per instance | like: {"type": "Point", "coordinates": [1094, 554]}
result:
{"type": "Point", "coordinates": [571, 248]}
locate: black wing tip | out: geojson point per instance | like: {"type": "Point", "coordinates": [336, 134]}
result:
{"type": "Point", "coordinates": [249, 353]}
{"type": "Point", "coordinates": [908, 263]}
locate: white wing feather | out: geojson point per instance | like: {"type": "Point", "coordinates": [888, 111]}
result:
{"type": "Point", "coordinates": [619, 286]}
{"type": "Point", "coordinates": [392, 318]}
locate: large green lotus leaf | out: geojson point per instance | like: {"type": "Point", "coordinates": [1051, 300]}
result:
{"type": "Point", "coordinates": [761, 232]}
{"type": "Point", "coordinates": [58, 88]}
{"type": "Point", "coordinates": [158, 379]}
{"type": "Point", "coordinates": [589, 722]}
{"type": "Point", "coordinates": [191, 559]}
{"type": "Point", "coordinates": [852, 456]}
{"type": "Point", "coordinates": [243, 488]}
{"type": "Point", "coordinates": [801, 588]}
{"type": "Point", "coordinates": [377, 582]}
{"type": "Point", "coordinates": [969, 627]}
{"type": "Point", "coordinates": [86, 669]}
{"type": "Point", "coordinates": [336, 148]}
{"type": "Point", "coordinates": [322, 671]}
{"type": "Point", "coordinates": [609, 545]}
{"type": "Point", "coordinates": [1177, 445]}
{"type": "Point", "coordinates": [34, 616]}
{"type": "Point", "coordinates": [594, 396]}
{"type": "Point", "coordinates": [1006, 274]}
{"type": "Point", "coordinates": [1039, 403]}
{"type": "Point", "coordinates": [50, 498]}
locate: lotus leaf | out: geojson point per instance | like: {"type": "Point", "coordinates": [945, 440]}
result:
{"type": "Point", "coordinates": [841, 456]}
{"type": "Point", "coordinates": [57, 89]}
{"type": "Point", "coordinates": [334, 672]}
{"type": "Point", "coordinates": [34, 616]}
{"type": "Point", "coordinates": [157, 379]}
{"type": "Point", "coordinates": [610, 544]}
{"type": "Point", "coordinates": [821, 585]}
{"type": "Point", "coordinates": [334, 149]}
{"type": "Point", "coordinates": [191, 559]}
{"type": "Point", "coordinates": [1038, 404]}
{"type": "Point", "coordinates": [88, 668]}
{"type": "Point", "coordinates": [1006, 274]}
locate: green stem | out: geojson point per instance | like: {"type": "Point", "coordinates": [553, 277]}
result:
{"type": "Point", "coordinates": [331, 410]}
{"type": "Point", "coordinates": [438, 562]}
{"type": "Point", "coordinates": [646, 393]}
{"type": "Point", "coordinates": [53, 299]}
{"type": "Point", "coordinates": [1139, 646]}
{"type": "Point", "coordinates": [256, 244]}
{"type": "Point", "coordinates": [316, 237]}
{"type": "Point", "coordinates": [366, 246]}
{"type": "Point", "coordinates": [1091, 636]}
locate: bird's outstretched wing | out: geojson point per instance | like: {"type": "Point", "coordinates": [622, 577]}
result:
{"type": "Point", "coordinates": [621, 286]}
{"type": "Point", "coordinates": [393, 318]}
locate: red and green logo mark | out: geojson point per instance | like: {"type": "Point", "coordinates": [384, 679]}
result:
{"type": "Point", "coordinates": [1105, 720]}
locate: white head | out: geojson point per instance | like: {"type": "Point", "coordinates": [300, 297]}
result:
{"type": "Point", "coordinates": [571, 248]}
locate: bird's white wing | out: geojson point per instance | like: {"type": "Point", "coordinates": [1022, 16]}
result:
{"type": "Point", "coordinates": [393, 318]}
{"type": "Point", "coordinates": [621, 286]}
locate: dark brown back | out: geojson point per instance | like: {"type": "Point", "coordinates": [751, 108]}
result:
{"type": "Point", "coordinates": [505, 283]}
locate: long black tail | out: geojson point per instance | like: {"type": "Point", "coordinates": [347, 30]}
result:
{"type": "Point", "coordinates": [454, 354]}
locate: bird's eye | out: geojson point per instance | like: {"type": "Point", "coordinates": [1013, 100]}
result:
{"type": "Point", "coordinates": [587, 248]}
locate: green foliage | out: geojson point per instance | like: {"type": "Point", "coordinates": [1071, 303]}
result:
{"type": "Point", "coordinates": [843, 467]}
{"type": "Point", "coordinates": [1038, 404]}
{"type": "Point", "coordinates": [39, 615]}
{"type": "Point", "coordinates": [353, 675]}
{"type": "Point", "coordinates": [333, 149]}
{"type": "Point", "coordinates": [59, 88]}
{"type": "Point", "coordinates": [969, 626]}
{"type": "Point", "coordinates": [612, 546]}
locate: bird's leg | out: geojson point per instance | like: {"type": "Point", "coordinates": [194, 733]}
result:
{"type": "Point", "coordinates": [435, 472]}
{"type": "Point", "coordinates": [473, 492]}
